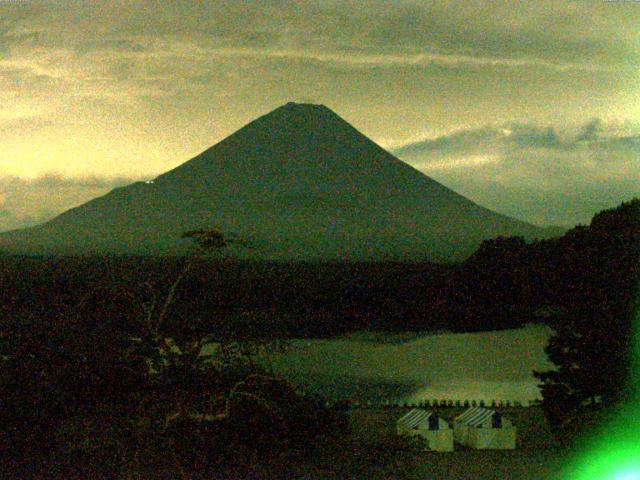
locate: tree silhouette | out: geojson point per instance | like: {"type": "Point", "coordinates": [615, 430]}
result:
{"type": "Point", "coordinates": [592, 344]}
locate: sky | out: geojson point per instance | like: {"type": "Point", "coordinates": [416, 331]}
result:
{"type": "Point", "coordinates": [529, 108]}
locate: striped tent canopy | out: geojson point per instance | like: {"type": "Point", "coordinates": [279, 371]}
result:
{"type": "Point", "coordinates": [477, 416]}
{"type": "Point", "coordinates": [483, 428]}
{"type": "Point", "coordinates": [418, 418]}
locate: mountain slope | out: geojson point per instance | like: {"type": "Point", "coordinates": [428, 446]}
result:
{"type": "Point", "coordinates": [297, 183]}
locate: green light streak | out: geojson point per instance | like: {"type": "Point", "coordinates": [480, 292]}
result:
{"type": "Point", "coordinates": [614, 452]}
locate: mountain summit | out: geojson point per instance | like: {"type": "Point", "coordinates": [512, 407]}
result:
{"type": "Point", "coordinates": [299, 183]}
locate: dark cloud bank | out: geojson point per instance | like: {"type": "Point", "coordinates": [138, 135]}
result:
{"type": "Point", "coordinates": [543, 174]}
{"type": "Point", "coordinates": [27, 202]}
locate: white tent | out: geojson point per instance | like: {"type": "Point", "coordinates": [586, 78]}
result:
{"type": "Point", "coordinates": [428, 425]}
{"type": "Point", "coordinates": [484, 429]}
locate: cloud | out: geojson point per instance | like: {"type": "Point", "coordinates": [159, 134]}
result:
{"type": "Point", "coordinates": [464, 141]}
{"type": "Point", "coordinates": [60, 55]}
{"type": "Point", "coordinates": [133, 53]}
{"type": "Point", "coordinates": [545, 34]}
{"type": "Point", "coordinates": [545, 31]}
{"type": "Point", "coordinates": [57, 181]}
{"type": "Point", "coordinates": [136, 87]}
{"type": "Point", "coordinates": [27, 202]}
{"type": "Point", "coordinates": [24, 123]}
{"type": "Point", "coordinates": [590, 131]}
{"type": "Point", "coordinates": [595, 162]}
{"type": "Point", "coordinates": [514, 139]}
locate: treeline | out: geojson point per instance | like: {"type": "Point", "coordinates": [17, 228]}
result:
{"type": "Point", "coordinates": [232, 299]}
{"type": "Point", "coordinates": [507, 281]}
{"type": "Point", "coordinates": [504, 284]}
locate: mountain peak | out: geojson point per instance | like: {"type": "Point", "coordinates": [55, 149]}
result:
{"type": "Point", "coordinates": [304, 123]}
{"type": "Point", "coordinates": [303, 105]}
{"type": "Point", "coordinates": [304, 109]}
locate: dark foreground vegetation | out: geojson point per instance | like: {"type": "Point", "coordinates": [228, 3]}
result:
{"type": "Point", "coordinates": [232, 298]}
{"type": "Point", "coordinates": [106, 400]}
{"type": "Point", "coordinates": [102, 378]}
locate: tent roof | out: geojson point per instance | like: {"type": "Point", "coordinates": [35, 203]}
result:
{"type": "Point", "coordinates": [418, 416]}
{"type": "Point", "coordinates": [475, 416]}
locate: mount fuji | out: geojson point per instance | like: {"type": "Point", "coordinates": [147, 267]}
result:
{"type": "Point", "coordinates": [299, 183]}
